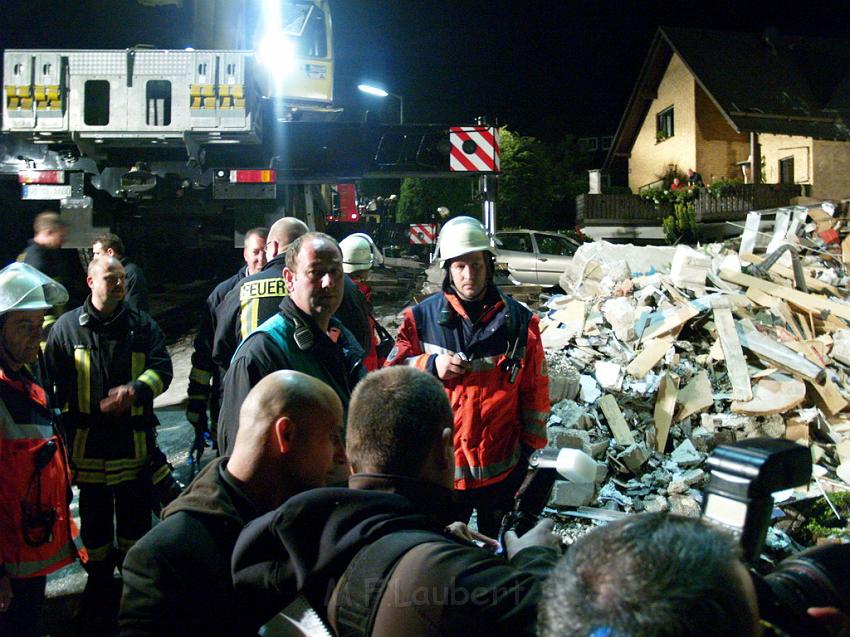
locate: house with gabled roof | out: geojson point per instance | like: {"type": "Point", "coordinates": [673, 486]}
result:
{"type": "Point", "coordinates": [712, 100]}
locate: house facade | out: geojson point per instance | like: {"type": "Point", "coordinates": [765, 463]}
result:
{"type": "Point", "coordinates": [704, 97]}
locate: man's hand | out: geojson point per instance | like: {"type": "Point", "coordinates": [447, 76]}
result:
{"type": "Point", "coordinates": [6, 593]}
{"type": "Point", "coordinates": [832, 620]}
{"type": "Point", "coordinates": [462, 531]}
{"type": "Point", "coordinates": [540, 535]}
{"type": "Point", "coordinates": [119, 400]}
{"type": "Point", "coordinates": [450, 366]}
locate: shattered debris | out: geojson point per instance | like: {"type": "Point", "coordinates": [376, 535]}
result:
{"type": "Point", "coordinates": [658, 355]}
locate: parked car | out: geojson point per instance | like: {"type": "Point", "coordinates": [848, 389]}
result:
{"type": "Point", "coordinates": [534, 257]}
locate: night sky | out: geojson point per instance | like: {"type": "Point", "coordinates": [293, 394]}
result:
{"type": "Point", "coordinates": [542, 68]}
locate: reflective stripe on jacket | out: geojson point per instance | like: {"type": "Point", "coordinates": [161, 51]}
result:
{"type": "Point", "coordinates": [26, 428]}
{"type": "Point", "coordinates": [88, 356]}
{"type": "Point", "coordinates": [491, 415]}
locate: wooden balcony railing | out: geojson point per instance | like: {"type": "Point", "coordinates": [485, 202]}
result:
{"type": "Point", "coordinates": [632, 210]}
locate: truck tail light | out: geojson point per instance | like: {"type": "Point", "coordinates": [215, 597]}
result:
{"type": "Point", "coordinates": [253, 176]}
{"type": "Point", "coordinates": [41, 177]}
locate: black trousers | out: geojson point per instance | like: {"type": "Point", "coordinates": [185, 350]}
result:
{"type": "Point", "coordinates": [23, 619]}
{"type": "Point", "coordinates": [490, 502]}
{"type": "Point", "coordinates": [129, 504]}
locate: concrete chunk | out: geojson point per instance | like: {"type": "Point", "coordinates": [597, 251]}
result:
{"type": "Point", "coordinates": [572, 494]}
{"type": "Point", "coordinates": [634, 456]}
{"type": "Point", "coordinates": [686, 455]}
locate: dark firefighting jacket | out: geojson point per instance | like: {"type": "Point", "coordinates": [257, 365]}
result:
{"type": "Point", "coordinates": [334, 357]}
{"type": "Point", "coordinates": [245, 307]}
{"type": "Point", "coordinates": [493, 417]}
{"type": "Point", "coordinates": [87, 355]}
{"type": "Point", "coordinates": [203, 368]}
{"type": "Point", "coordinates": [37, 532]}
{"type": "Point", "coordinates": [258, 298]}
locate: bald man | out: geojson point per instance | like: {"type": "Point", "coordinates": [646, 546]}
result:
{"type": "Point", "coordinates": [177, 578]}
{"type": "Point", "coordinates": [108, 361]}
{"type": "Point", "coordinates": [257, 296]}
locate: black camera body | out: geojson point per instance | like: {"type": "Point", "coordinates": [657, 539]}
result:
{"type": "Point", "coordinates": [743, 477]}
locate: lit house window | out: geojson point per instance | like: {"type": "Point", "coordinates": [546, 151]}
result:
{"type": "Point", "coordinates": [664, 124]}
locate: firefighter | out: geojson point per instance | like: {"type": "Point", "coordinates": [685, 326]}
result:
{"type": "Point", "coordinates": [257, 297]}
{"type": "Point", "coordinates": [304, 335]}
{"type": "Point", "coordinates": [359, 254]}
{"type": "Point", "coordinates": [109, 362]}
{"type": "Point", "coordinates": [36, 530]}
{"type": "Point", "coordinates": [204, 378]}
{"type": "Point", "coordinates": [136, 293]}
{"type": "Point", "coordinates": [44, 253]}
{"type": "Point", "coordinates": [486, 349]}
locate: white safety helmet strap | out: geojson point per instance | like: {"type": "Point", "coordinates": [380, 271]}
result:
{"type": "Point", "coordinates": [22, 287]}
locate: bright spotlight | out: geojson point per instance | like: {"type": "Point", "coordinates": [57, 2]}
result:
{"type": "Point", "coordinates": [277, 53]}
{"type": "Point", "coordinates": [372, 90]}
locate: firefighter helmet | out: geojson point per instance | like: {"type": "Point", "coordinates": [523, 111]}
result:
{"type": "Point", "coordinates": [22, 287]}
{"type": "Point", "coordinates": [359, 252]}
{"type": "Point", "coordinates": [462, 235]}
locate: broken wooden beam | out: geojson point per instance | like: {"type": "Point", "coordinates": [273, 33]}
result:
{"type": "Point", "coordinates": [736, 364]}
{"type": "Point", "coordinates": [665, 406]}
{"type": "Point", "coordinates": [616, 422]}
{"type": "Point", "coordinates": [811, 302]}
{"type": "Point", "coordinates": [653, 351]}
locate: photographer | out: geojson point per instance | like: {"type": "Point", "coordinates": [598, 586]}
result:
{"type": "Point", "coordinates": [660, 575]}
{"type": "Point", "coordinates": [375, 559]}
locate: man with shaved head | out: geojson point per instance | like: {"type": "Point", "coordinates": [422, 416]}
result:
{"type": "Point", "coordinates": [177, 578]}
{"type": "Point", "coordinates": [257, 296]}
{"type": "Point", "coordinates": [108, 361]}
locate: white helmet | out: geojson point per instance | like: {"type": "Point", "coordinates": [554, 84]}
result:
{"type": "Point", "coordinates": [359, 252]}
{"type": "Point", "coordinates": [462, 235]}
{"type": "Point", "coordinates": [22, 287]}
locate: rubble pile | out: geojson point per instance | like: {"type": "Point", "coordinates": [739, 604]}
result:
{"type": "Point", "coordinates": [658, 355]}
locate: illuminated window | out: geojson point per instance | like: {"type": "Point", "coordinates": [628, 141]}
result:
{"type": "Point", "coordinates": [664, 124]}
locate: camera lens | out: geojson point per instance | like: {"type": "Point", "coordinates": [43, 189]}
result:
{"type": "Point", "coordinates": [816, 577]}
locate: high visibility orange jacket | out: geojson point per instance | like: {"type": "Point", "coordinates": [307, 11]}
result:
{"type": "Point", "coordinates": [492, 416]}
{"type": "Point", "coordinates": [41, 541]}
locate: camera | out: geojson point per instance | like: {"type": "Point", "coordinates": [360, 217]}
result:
{"type": "Point", "coordinates": [742, 478]}
{"type": "Point", "coordinates": [545, 467]}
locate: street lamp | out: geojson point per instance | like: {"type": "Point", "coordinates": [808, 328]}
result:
{"type": "Point", "coordinates": [379, 92]}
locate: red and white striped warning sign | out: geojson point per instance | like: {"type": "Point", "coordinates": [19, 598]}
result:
{"type": "Point", "coordinates": [423, 233]}
{"type": "Point", "coordinates": [474, 149]}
